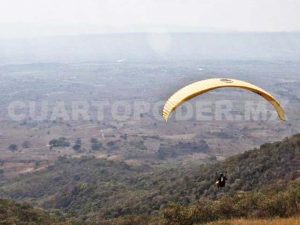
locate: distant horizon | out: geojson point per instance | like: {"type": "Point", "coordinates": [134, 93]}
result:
{"type": "Point", "coordinates": [30, 30]}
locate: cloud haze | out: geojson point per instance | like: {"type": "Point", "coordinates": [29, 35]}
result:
{"type": "Point", "coordinates": [53, 17]}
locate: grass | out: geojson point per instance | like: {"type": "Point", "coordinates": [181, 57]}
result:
{"type": "Point", "coordinates": [289, 221]}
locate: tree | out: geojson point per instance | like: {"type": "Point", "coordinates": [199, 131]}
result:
{"type": "Point", "coordinates": [60, 142]}
{"type": "Point", "coordinates": [77, 145]}
{"type": "Point", "coordinates": [96, 145]}
{"type": "Point", "coordinates": [13, 147]}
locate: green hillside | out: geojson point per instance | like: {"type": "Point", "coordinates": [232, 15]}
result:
{"type": "Point", "coordinates": [93, 189]}
{"type": "Point", "coordinates": [12, 213]}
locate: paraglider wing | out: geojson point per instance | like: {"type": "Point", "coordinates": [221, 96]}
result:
{"type": "Point", "coordinates": [190, 91]}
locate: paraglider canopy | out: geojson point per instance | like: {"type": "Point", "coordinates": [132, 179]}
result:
{"type": "Point", "coordinates": [190, 91]}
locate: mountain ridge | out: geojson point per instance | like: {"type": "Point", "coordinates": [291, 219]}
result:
{"type": "Point", "coordinates": [109, 189]}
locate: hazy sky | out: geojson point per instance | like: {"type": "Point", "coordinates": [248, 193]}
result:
{"type": "Point", "coordinates": [83, 16]}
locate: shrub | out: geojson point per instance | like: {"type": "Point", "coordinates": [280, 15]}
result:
{"type": "Point", "coordinates": [13, 147]}
{"type": "Point", "coordinates": [60, 142]}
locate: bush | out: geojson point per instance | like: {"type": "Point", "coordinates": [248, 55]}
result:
{"type": "Point", "coordinates": [77, 145]}
{"type": "Point", "coordinates": [96, 145]}
{"type": "Point", "coordinates": [13, 147]}
{"type": "Point", "coordinates": [60, 142]}
{"type": "Point", "coordinates": [259, 204]}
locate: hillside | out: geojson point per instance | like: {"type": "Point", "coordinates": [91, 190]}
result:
{"type": "Point", "coordinates": [274, 201]}
{"type": "Point", "coordinates": [12, 213]}
{"type": "Point", "coordinates": [98, 188]}
{"type": "Point", "coordinates": [291, 221]}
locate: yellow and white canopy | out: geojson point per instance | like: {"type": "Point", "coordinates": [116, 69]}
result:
{"type": "Point", "coordinates": [190, 91]}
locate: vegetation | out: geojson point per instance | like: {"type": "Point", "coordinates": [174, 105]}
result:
{"type": "Point", "coordinates": [95, 144]}
{"type": "Point", "coordinates": [289, 221]}
{"type": "Point", "coordinates": [262, 183]}
{"type": "Point", "coordinates": [60, 142]}
{"type": "Point", "coordinates": [278, 200]}
{"type": "Point", "coordinates": [271, 202]}
{"type": "Point", "coordinates": [13, 147]}
{"type": "Point", "coordinates": [165, 151]}
{"type": "Point", "coordinates": [77, 145]}
{"type": "Point", "coordinates": [12, 213]}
